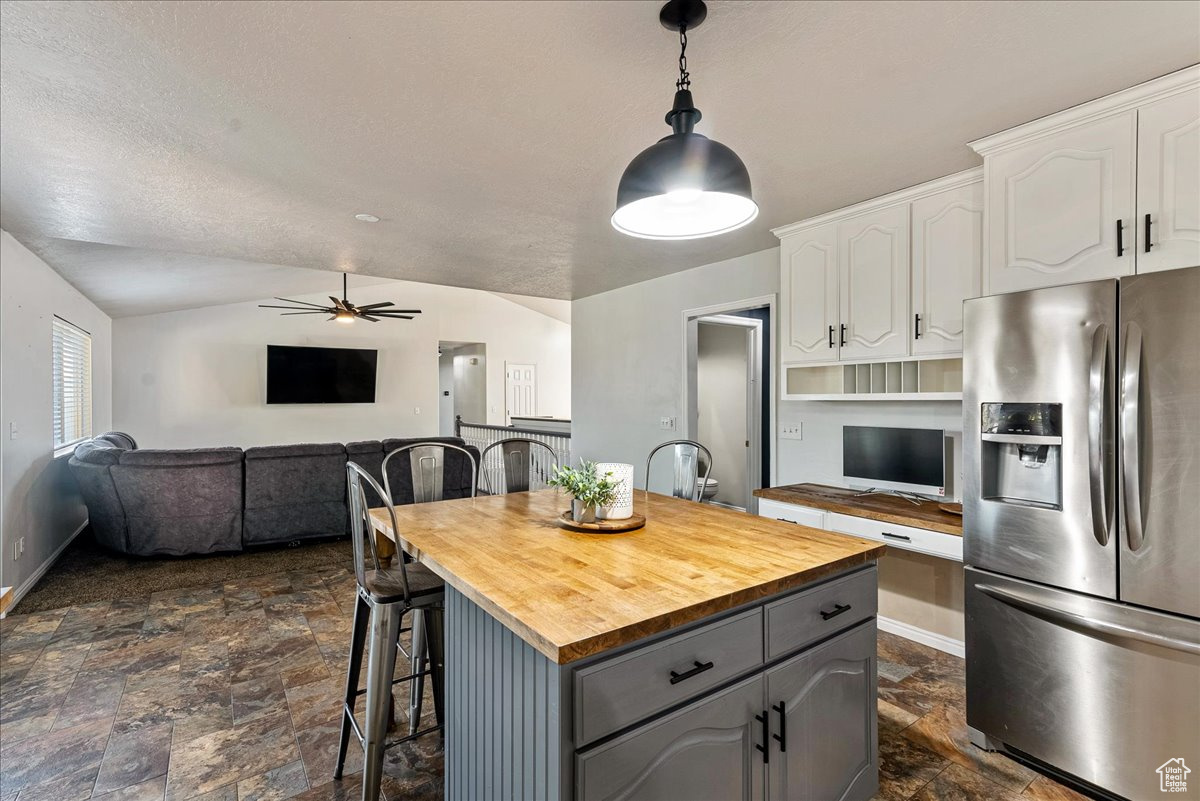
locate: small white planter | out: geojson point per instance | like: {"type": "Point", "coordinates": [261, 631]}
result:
{"type": "Point", "coordinates": [622, 507]}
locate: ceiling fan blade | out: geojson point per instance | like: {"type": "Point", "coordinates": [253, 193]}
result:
{"type": "Point", "coordinates": [393, 316]}
{"type": "Point", "coordinates": [338, 303]}
{"type": "Point", "coordinates": [396, 311]}
{"type": "Point", "coordinates": [294, 308]}
{"type": "Point", "coordinates": [307, 311]}
{"type": "Point", "coordinates": [302, 302]}
{"type": "Point", "coordinates": [369, 317]}
{"type": "Point", "coordinates": [375, 305]}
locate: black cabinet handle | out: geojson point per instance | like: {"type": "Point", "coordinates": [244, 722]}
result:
{"type": "Point", "coordinates": [831, 327]}
{"type": "Point", "coordinates": [916, 326]}
{"type": "Point", "coordinates": [699, 668]}
{"type": "Point", "coordinates": [766, 736]}
{"type": "Point", "coordinates": [835, 611]}
{"type": "Point", "coordinates": [782, 736]}
{"type": "Point", "coordinates": [843, 335]}
{"type": "Point", "coordinates": [1149, 244]}
{"type": "Point", "coordinates": [901, 537]}
{"type": "Point", "coordinates": [1120, 239]}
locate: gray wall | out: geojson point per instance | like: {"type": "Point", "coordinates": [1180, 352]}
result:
{"type": "Point", "coordinates": [627, 354]}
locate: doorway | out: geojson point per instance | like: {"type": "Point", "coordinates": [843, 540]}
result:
{"type": "Point", "coordinates": [520, 391]}
{"type": "Point", "coordinates": [462, 384]}
{"type": "Point", "coordinates": [728, 398]}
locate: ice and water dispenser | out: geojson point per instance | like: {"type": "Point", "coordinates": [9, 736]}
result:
{"type": "Point", "coordinates": [1021, 450]}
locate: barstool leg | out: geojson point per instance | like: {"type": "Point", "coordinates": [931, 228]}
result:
{"type": "Point", "coordinates": [381, 664]}
{"type": "Point", "coordinates": [435, 635]}
{"type": "Point", "coordinates": [362, 619]}
{"type": "Point", "coordinates": [416, 687]}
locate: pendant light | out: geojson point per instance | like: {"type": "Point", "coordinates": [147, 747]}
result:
{"type": "Point", "coordinates": [685, 186]}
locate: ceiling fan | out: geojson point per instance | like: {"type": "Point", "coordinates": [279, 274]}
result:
{"type": "Point", "coordinates": [343, 311]}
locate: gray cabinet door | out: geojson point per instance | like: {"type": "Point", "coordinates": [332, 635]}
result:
{"type": "Point", "coordinates": [703, 752]}
{"type": "Point", "coordinates": [824, 745]}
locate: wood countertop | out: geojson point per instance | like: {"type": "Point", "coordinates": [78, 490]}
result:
{"type": "Point", "coordinates": [886, 508]}
{"type": "Point", "coordinates": [572, 595]}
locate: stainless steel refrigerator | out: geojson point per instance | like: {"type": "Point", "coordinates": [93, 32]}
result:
{"type": "Point", "coordinates": [1081, 519]}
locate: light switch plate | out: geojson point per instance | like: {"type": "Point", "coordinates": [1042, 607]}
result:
{"type": "Point", "coordinates": [792, 431]}
{"type": "Point", "coordinates": [666, 423]}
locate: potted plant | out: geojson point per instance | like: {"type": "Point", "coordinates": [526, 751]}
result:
{"type": "Point", "coordinates": [588, 490]}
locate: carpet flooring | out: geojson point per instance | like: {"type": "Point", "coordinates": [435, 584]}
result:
{"type": "Point", "coordinates": [87, 573]}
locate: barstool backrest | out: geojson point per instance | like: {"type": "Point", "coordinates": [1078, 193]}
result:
{"type": "Point", "coordinates": [687, 468]}
{"type": "Point", "coordinates": [520, 460]}
{"type": "Point", "coordinates": [361, 528]}
{"type": "Point", "coordinates": [427, 461]}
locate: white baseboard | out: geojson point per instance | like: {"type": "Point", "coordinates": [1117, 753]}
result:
{"type": "Point", "coordinates": [29, 583]}
{"type": "Point", "coordinates": [923, 636]}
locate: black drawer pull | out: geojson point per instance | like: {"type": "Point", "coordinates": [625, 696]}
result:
{"type": "Point", "coordinates": [766, 736]}
{"type": "Point", "coordinates": [782, 736]}
{"type": "Point", "coordinates": [901, 537]}
{"type": "Point", "coordinates": [837, 610]}
{"type": "Point", "coordinates": [785, 520]}
{"type": "Point", "coordinates": [831, 327]}
{"type": "Point", "coordinates": [699, 668]}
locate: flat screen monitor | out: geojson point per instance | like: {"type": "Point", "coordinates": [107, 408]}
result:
{"type": "Point", "coordinates": [320, 375]}
{"type": "Point", "coordinates": [905, 459]}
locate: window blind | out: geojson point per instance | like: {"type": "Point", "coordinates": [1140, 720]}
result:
{"type": "Point", "coordinates": [72, 383]}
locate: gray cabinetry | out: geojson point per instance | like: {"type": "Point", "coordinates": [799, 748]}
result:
{"type": "Point", "coordinates": [823, 720]}
{"type": "Point", "coordinates": [704, 752]}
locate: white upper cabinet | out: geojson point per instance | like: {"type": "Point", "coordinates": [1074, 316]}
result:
{"type": "Point", "coordinates": [809, 286]}
{"type": "Point", "coordinates": [1168, 191]}
{"type": "Point", "coordinates": [947, 253]}
{"type": "Point", "coordinates": [873, 277]}
{"type": "Point", "coordinates": [1068, 197]}
{"type": "Point", "coordinates": [1054, 206]}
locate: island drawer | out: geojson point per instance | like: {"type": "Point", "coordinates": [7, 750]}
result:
{"type": "Point", "coordinates": [806, 617]}
{"type": "Point", "coordinates": [617, 692]}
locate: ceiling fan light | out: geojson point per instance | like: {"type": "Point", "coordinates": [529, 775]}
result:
{"type": "Point", "coordinates": [344, 317]}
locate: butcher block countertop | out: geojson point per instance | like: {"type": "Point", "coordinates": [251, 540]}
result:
{"type": "Point", "coordinates": [885, 508]}
{"type": "Point", "coordinates": [572, 595]}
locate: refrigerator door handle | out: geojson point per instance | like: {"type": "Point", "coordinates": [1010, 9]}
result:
{"type": "Point", "coordinates": [1038, 607]}
{"type": "Point", "coordinates": [1098, 416]}
{"type": "Point", "coordinates": [1131, 378]}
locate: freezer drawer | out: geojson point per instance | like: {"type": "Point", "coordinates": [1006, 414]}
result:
{"type": "Point", "coordinates": [1098, 689]}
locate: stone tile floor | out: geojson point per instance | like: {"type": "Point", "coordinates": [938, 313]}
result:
{"type": "Point", "coordinates": [231, 693]}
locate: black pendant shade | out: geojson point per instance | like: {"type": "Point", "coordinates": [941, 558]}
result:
{"type": "Point", "coordinates": [684, 186]}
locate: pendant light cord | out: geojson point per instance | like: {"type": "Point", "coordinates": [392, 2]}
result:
{"type": "Point", "coordinates": [685, 78]}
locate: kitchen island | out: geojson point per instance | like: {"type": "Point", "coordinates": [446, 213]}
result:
{"type": "Point", "coordinates": [709, 655]}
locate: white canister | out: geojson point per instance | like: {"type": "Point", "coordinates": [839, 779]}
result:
{"type": "Point", "coordinates": [622, 507]}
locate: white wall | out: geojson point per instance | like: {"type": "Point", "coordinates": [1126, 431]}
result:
{"type": "Point", "coordinates": [722, 374]}
{"type": "Point", "coordinates": [40, 500]}
{"type": "Point", "coordinates": [198, 377]}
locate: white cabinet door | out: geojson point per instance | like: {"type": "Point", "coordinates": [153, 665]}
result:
{"type": "Point", "coordinates": [1054, 204]}
{"type": "Point", "coordinates": [1168, 188]}
{"type": "Point", "coordinates": [947, 255]}
{"type": "Point", "coordinates": [809, 285]}
{"type": "Point", "coordinates": [873, 260]}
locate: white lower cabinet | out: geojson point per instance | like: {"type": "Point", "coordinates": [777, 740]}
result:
{"type": "Point", "coordinates": [908, 538]}
{"type": "Point", "coordinates": [824, 737]}
{"type": "Point", "coordinates": [791, 513]}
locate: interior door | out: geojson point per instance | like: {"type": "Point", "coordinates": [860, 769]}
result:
{"type": "Point", "coordinates": [1054, 205]}
{"type": "Point", "coordinates": [1168, 189]}
{"type": "Point", "coordinates": [1160, 440]}
{"type": "Point", "coordinates": [874, 278]}
{"type": "Point", "coordinates": [823, 702]}
{"type": "Point", "coordinates": [520, 390]}
{"type": "Point", "coordinates": [809, 285]}
{"type": "Point", "coordinates": [703, 752]}
{"type": "Point", "coordinates": [947, 256]}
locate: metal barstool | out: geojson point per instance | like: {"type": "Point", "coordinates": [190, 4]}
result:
{"type": "Point", "coordinates": [687, 468]}
{"type": "Point", "coordinates": [382, 599]}
{"type": "Point", "coordinates": [427, 465]}
{"type": "Point", "coordinates": [521, 459]}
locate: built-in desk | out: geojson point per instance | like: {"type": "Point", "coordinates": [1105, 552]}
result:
{"type": "Point", "coordinates": [923, 527]}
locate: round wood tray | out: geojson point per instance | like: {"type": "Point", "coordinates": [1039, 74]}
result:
{"type": "Point", "coordinates": [952, 508]}
{"type": "Point", "coordinates": [602, 526]}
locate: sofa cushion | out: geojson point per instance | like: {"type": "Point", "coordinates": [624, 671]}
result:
{"type": "Point", "coordinates": [368, 455]}
{"type": "Point", "coordinates": [120, 439]}
{"type": "Point", "coordinates": [294, 492]}
{"type": "Point", "coordinates": [100, 452]}
{"type": "Point", "coordinates": [106, 517]}
{"type": "Point", "coordinates": [181, 501]}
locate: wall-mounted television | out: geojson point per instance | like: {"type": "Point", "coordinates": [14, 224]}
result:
{"type": "Point", "coordinates": [320, 375]}
{"type": "Point", "coordinates": [905, 459]}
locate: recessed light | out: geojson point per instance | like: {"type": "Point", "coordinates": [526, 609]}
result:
{"type": "Point", "coordinates": [366, 218]}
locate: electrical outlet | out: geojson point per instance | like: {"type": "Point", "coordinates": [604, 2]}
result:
{"type": "Point", "coordinates": [18, 548]}
{"type": "Point", "coordinates": [666, 423]}
{"type": "Point", "coordinates": [12, 430]}
{"type": "Point", "coordinates": [416, 410]}
{"type": "Point", "coordinates": [792, 431]}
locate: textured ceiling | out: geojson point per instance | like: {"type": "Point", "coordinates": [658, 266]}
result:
{"type": "Point", "coordinates": [489, 136]}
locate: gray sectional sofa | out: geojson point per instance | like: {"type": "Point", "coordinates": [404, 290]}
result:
{"type": "Point", "coordinates": [177, 502]}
